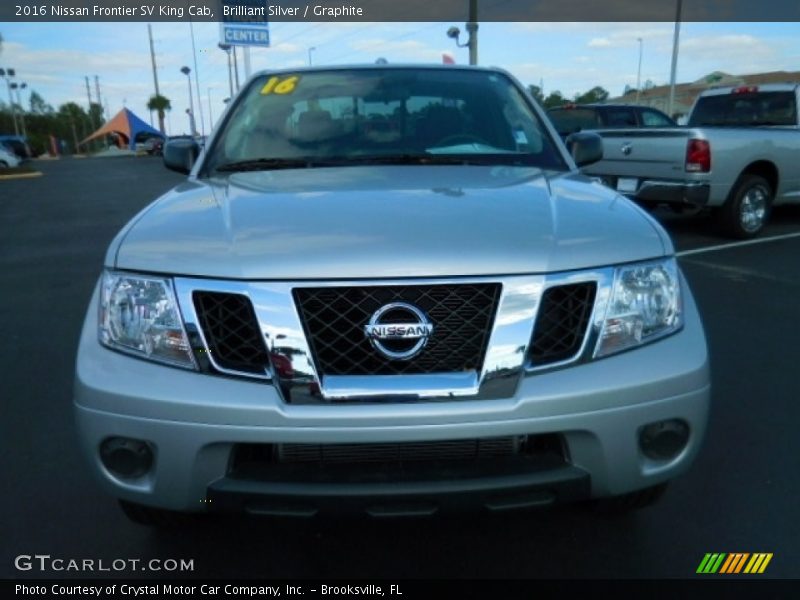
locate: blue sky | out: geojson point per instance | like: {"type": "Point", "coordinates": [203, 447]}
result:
{"type": "Point", "coordinates": [52, 58]}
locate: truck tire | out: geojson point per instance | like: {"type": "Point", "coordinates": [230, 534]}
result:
{"type": "Point", "coordinates": [746, 211]}
{"type": "Point", "coordinates": [627, 503]}
{"type": "Point", "coordinates": [156, 517]}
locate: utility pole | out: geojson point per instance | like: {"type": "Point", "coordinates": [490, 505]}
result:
{"type": "Point", "coordinates": [97, 91]}
{"type": "Point", "coordinates": [153, 58]}
{"type": "Point", "coordinates": [246, 53]}
{"type": "Point", "coordinates": [236, 68]}
{"type": "Point", "coordinates": [639, 73]}
{"type": "Point", "coordinates": [197, 83]}
{"type": "Point", "coordinates": [89, 96]}
{"type": "Point", "coordinates": [472, 30]}
{"type": "Point", "coordinates": [674, 68]}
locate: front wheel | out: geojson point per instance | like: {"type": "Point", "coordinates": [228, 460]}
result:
{"type": "Point", "coordinates": [747, 209]}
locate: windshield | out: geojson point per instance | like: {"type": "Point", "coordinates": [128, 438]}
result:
{"type": "Point", "coordinates": [358, 116]}
{"type": "Point", "coordinates": [573, 120]}
{"type": "Point", "coordinates": [745, 109]}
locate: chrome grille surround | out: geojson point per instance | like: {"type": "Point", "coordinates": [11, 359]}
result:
{"type": "Point", "coordinates": [506, 358]}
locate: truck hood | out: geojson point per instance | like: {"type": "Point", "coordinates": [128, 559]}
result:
{"type": "Point", "coordinates": [386, 221]}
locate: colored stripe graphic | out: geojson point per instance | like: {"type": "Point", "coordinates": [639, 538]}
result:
{"type": "Point", "coordinates": [711, 563]}
{"type": "Point", "coordinates": [758, 563]}
{"type": "Point", "coordinates": [734, 563]}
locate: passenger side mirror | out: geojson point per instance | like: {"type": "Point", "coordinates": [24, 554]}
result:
{"type": "Point", "coordinates": [586, 148]}
{"type": "Point", "coordinates": [179, 155]}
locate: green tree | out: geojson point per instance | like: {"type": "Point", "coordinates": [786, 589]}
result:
{"type": "Point", "coordinates": [38, 105]}
{"type": "Point", "coordinates": [160, 104]}
{"type": "Point", "coordinates": [536, 92]}
{"type": "Point", "coordinates": [596, 94]}
{"type": "Point", "coordinates": [96, 114]}
{"type": "Point", "coordinates": [555, 98]}
{"type": "Point", "coordinates": [76, 118]}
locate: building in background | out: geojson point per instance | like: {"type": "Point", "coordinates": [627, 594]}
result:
{"type": "Point", "coordinates": [686, 93]}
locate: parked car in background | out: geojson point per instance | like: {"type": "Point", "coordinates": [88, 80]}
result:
{"type": "Point", "coordinates": [739, 155]}
{"type": "Point", "coordinates": [152, 145]}
{"type": "Point", "coordinates": [18, 145]}
{"type": "Point", "coordinates": [8, 160]}
{"type": "Point", "coordinates": [572, 118]}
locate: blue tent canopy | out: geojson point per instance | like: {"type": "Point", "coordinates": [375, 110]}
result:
{"type": "Point", "coordinates": [126, 124]}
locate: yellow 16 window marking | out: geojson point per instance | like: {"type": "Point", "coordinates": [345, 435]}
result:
{"type": "Point", "coordinates": [280, 85]}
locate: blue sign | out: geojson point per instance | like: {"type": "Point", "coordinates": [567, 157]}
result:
{"type": "Point", "coordinates": [244, 23]}
{"type": "Point", "coordinates": [248, 35]}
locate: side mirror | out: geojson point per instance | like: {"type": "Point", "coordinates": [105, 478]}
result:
{"type": "Point", "coordinates": [179, 155]}
{"type": "Point", "coordinates": [586, 148]}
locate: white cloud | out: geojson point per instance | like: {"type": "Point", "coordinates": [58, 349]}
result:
{"type": "Point", "coordinates": [599, 43]}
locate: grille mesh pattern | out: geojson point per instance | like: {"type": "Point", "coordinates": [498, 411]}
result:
{"type": "Point", "coordinates": [408, 451]}
{"type": "Point", "coordinates": [334, 319]}
{"type": "Point", "coordinates": [561, 323]}
{"type": "Point", "coordinates": [231, 330]}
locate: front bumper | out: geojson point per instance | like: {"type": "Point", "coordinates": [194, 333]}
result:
{"type": "Point", "coordinates": [194, 421]}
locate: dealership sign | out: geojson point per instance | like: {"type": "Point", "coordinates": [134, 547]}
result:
{"type": "Point", "coordinates": [244, 23]}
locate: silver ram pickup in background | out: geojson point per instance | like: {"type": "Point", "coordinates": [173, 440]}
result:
{"type": "Point", "coordinates": [739, 155]}
{"type": "Point", "coordinates": [388, 290]}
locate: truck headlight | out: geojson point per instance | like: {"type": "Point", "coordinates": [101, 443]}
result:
{"type": "Point", "coordinates": [645, 305]}
{"type": "Point", "coordinates": [139, 315]}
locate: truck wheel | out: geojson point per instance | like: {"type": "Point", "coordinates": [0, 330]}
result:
{"type": "Point", "coordinates": [155, 517]}
{"type": "Point", "coordinates": [627, 503]}
{"type": "Point", "coordinates": [746, 211]}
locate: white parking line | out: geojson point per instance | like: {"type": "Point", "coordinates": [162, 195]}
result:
{"type": "Point", "coordinates": [774, 238]}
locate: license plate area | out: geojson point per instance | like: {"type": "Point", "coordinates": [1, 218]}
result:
{"type": "Point", "coordinates": [627, 184]}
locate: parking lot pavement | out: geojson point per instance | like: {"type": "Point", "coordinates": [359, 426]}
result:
{"type": "Point", "coordinates": [740, 496]}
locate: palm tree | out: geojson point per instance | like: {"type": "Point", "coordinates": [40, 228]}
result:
{"type": "Point", "coordinates": [160, 104]}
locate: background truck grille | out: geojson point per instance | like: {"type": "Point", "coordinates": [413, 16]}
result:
{"type": "Point", "coordinates": [231, 331]}
{"type": "Point", "coordinates": [562, 322]}
{"type": "Point", "coordinates": [334, 320]}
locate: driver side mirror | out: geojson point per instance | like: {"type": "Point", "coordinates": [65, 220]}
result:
{"type": "Point", "coordinates": [586, 148]}
{"type": "Point", "coordinates": [179, 155]}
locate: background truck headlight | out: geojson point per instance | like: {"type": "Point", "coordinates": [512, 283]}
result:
{"type": "Point", "coordinates": [139, 315]}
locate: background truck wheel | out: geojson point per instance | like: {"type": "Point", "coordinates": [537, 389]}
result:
{"type": "Point", "coordinates": [747, 209]}
{"type": "Point", "coordinates": [620, 505]}
{"type": "Point", "coordinates": [155, 517]}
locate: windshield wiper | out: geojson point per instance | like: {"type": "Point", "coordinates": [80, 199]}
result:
{"type": "Point", "coordinates": [434, 159]}
{"type": "Point", "coordinates": [265, 164]}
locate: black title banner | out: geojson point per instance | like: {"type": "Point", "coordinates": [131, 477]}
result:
{"type": "Point", "coordinates": [397, 10]}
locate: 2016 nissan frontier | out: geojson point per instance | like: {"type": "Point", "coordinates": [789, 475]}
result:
{"type": "Point", "coordinates": [388, 290]}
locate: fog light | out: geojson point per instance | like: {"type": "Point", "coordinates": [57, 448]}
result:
{"type": "Point", "coordinates": [664, 440]}
{"type": "Point", "coordinates": [125, 457]}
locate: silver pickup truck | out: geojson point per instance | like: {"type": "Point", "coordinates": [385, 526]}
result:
{"type": "Point", "coordinates": [738, 155]}
{"type": "Point", "coordinates": [388, 290]}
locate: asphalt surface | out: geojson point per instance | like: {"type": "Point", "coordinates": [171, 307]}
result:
{"type": "Point", "coordinates": [741, 495]}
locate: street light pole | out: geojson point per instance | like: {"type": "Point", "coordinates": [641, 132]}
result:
{"type": "Point", "coordinates": [639, 73]}
{"type": "Point", "coordinates": [197, 81]}
{"type": "Point", "coordinates": [674, 69]}
{"type": "Point", "coordinates": [7, 75]}
{"type": "Point", "coordinates": [236, 68]}
{"type": "Point", "coordinates": [186, 71]}
{"type": "Point", "coordinates": [309, 54]}
{"type": "Point", "coordinates": [19, 87]}
{"type": "Point", "coordinates": [210, 114]}
{"type": "Point", "coordinates": [227, 49]}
